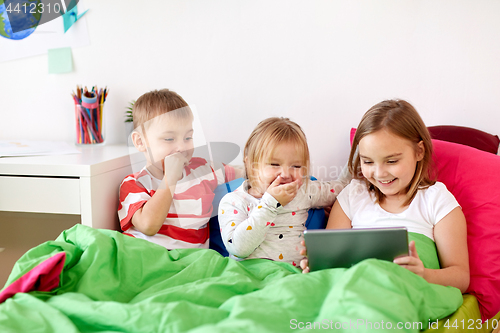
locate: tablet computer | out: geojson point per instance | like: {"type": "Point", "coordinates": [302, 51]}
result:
{"type": "Point", "coordinates": [332, 248]}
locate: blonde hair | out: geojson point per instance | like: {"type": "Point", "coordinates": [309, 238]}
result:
{"type": "Point", "coordinates": [399, 118]}
{"type": "Point", "coordinates": [264, 139]}
{"type": "Point", "coordinates": [157, 102]}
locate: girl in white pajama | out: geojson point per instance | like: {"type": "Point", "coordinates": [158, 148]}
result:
{"type": "Point", "coordinates": [265, 217]}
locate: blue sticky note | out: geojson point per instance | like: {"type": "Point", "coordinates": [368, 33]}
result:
{"type": "Point", "coordinates": [71, 16]}
{"type": "Point", "coordinates": [60, 60]}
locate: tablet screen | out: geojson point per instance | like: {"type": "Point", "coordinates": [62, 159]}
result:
{"type": "Point", "coordinates": [333, 248]}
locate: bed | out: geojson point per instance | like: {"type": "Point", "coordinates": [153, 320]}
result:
{"type": "Point", "coordinates": [96, 280]}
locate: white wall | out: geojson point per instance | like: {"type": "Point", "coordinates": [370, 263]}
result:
{"type": "Point", "coordinates": [321, 63]}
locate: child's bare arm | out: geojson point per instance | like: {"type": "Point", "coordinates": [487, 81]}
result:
{"type": "Point", "coordinates": [151, 216]}
{"type": "Point", "coordinates": [338, 219]}
{"type": "Point", "coordinates": [450, 235]}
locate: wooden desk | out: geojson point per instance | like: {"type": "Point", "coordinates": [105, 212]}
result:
{"type": "Point", "coordinates": [85, 184]}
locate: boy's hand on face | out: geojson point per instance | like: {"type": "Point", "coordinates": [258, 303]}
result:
{"type": "Point", "coordinates": [284, 193]}
{"type": "Point", "coordinates": [172, 168]}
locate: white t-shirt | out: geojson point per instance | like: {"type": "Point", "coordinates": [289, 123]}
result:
{"type": "Point", "coordinates": [428, 207]}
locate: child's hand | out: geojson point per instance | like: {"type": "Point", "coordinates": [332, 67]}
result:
{"type": "Point", "coordinates": [412, 262]}
{"type": "Point", "coordinates": [304, 263]}
{"type": "Point", "coordinates": [172, 167]}
{"type": "Point", "coordinates": [286, 192]}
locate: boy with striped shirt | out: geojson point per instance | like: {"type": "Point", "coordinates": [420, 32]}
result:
{"type": "Point", "coordinates": [169, 202]}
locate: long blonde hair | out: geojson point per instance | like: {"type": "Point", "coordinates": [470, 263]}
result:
{"type": "Point", "coordinates": [264, 139]}
{"type": "Point", "coordinates": [399, 118]}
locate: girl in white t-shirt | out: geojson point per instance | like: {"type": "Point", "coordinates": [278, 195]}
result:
{"type": "Point", "coordinates": [391, 186]}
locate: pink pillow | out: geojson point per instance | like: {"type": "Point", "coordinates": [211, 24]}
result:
{"type": "Point", "coordinates": [351, 135]}
{"type": "Point", "coordinates": [473, 176]}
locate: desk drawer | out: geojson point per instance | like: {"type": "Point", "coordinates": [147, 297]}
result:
{"type": "Point", "coordinates": [40, 194]}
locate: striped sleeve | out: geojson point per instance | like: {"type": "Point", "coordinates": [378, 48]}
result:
{"type": "Point", "coordinates": [132, 197]}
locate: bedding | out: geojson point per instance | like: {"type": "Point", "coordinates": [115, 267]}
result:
{"type": "Point", "coordinates": [100, 280]}
{"type": "Point", "coordinates": [465, 319]}
{"type": "Point", "coordinates": [111, 282]}
{"type": "Point", "coordinates": [473, 177]}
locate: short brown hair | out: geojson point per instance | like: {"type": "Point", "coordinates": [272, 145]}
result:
{"type": "Point", "coordinates": [157, 102]}
{"type": "Point", "coordinates": [268, 134]}
{"type": "Point", "coordinates": [399, 118]}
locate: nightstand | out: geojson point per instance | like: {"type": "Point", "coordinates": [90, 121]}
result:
{"type": "Point", "coordinates": [85, 184]}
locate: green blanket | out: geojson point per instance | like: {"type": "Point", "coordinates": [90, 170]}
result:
{"type": "Point", "coordinates": [114, 283]}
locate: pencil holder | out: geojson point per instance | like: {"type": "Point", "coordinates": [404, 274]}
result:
{"type": "Point", "coordinates": [89, 115]}
{"type": "Point", "coordinates": [89, 123]}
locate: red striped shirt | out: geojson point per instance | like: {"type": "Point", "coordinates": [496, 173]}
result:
{"type": "Point", "coordinates": [186, 222]}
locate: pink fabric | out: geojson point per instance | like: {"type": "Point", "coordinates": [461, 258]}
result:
{"type": "Point", "coordinates": [351, 137]}
{"type": "Point", "coordinates": [43, 277]}
{"type": "Point", "coordinates": [473, 176]}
